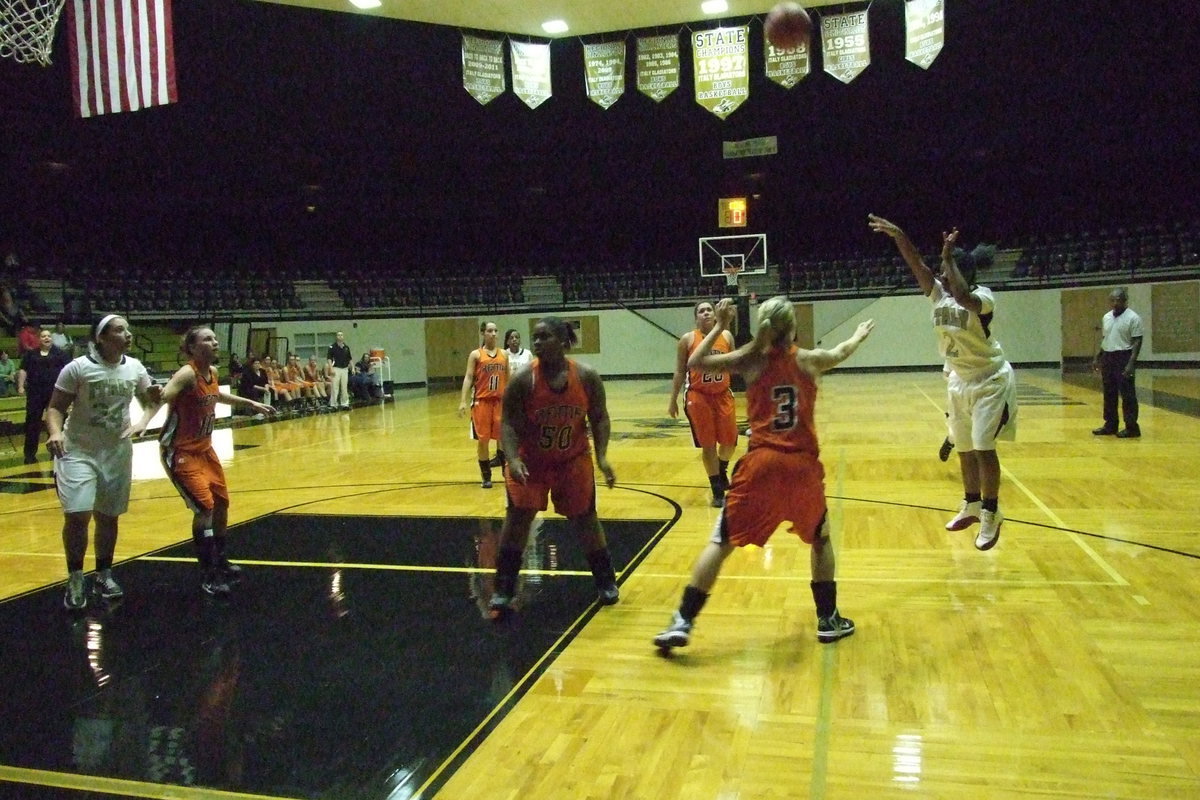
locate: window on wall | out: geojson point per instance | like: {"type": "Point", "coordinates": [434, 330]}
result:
{"type": "Point", "coordinates": [308, 345]}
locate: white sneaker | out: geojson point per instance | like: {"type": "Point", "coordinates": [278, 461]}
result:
{"type": "Point", "coordinates": [75, 597]}
{"type": "Point", "coordinates": [989, 530]}
{"type": "Point", "coordinates": [106, 587]}
{"type": "Point", "coordinates": [968, 515]}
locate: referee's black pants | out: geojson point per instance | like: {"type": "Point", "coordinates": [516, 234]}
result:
{"type": "Point", "coordinates": [1116, 383]}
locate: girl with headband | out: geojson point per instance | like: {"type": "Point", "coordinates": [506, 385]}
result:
{"type": "Point", "coordinates": [89, 423]}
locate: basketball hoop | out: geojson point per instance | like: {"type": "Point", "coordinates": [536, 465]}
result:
{"type": "Point", "coordinates": [732, 271]}
{"type": "Point", "coordinates": [27, 29]}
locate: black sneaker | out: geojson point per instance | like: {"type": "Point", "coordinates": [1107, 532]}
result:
{"type": "Point", "coordinates": [214, 584]}
{"type": "Point", "coordinates": [486, 483]}
{"type": "Point", "coordinates": [75, 597]}
{"type": "Point", "coordinates": [833, 627]}
{"type": "Point", "coordinates": [944, 450]}
{"type": "Point", "coordinates": [1129, 433]}
{"type": "Point", "coordinates": [718, 501]}
{"type": "Point", "coordinates": [609, 595]}
{"type": "Point", "coordinates": [678, 634]}
{"type": "Point", "coordinates": [231, 572]}
{"type": "Point", "coordinates": [499, 607]}
{"type": "Point", "coordinates": [1102, 431]}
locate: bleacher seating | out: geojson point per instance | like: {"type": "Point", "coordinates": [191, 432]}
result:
{"type": "Point", "coordinates": [416, 284]}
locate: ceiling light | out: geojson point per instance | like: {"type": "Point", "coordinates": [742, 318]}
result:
{"type": "Point", "coordinates": [555, 26]}
{"type": "Point", "coordinates": [366, 4]}
{"type": "Point", "coordinates": [714, 6]}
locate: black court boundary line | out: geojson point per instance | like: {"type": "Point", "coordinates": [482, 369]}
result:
{"type": "Point", "coordinates": [235, 526]}
{"type": "Point", "coordinates": [467, 747]}
{"type": "Point", "coordinates": [448, 768]}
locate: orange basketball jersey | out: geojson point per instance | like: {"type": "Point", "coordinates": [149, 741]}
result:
{"type": "Point", "coordinates": [780, 405]}
{"type": "Point", "coordinates": [556, 421]}
{"type": "Point", "coordinates": [491, 374]}
{"type": "Point", "coordinates": [189, 424]}
{"type": "Point", "coordinates": [708, 382]}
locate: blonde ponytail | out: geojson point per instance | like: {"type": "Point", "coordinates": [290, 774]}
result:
{"type": "Point", "coordinates": [776, 322]}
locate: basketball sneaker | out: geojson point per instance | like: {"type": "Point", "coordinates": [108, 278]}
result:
{"type": "Point", "coordinates": [833, 627]}
{"type": "Point", "coordinates": [677, 635]}
{"type": "Point", "coordinates": [989, 530]}
{"type": "Point", "coordinates": [944, 450]}
{"type": "Point", "coordinates": [609, 595]}
{"type": "Point", "coordinates": [486, 483]}
{"type": "Point", "coordinates": [214, 584]}
{"type": "Point", "coordinates": [499, 607]}
{"type": "Point", "coordinates": [75, 597]}
{"type": "Point", "coordinates": [968, 515]}
{"type": "Point", "coordinates": [106, 587]}
{"type": "Point", "coordinates": [718, 500]}
{"type": "Point", "coordinates": [231, 572]}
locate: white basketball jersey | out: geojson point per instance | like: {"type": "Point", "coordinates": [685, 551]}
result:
{"type": "Point", "coordinates": [965, 338]}
{"type": "Point", "coordinates": [103, 392]}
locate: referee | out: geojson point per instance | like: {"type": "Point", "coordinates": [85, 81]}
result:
{"type": "Point", "coordinates": [339, 358]}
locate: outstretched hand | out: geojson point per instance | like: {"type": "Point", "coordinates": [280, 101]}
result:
{"type": "Point", "coordinates": [881, 225]}
{"type": "Point", "coordinates": [864, 329]}
{"type": "Point", "coordinates": [948, 242]}
{"type": "Point", "coordinates": [726, 312]}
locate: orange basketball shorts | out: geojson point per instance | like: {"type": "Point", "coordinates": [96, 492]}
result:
{"type": "Point", "coordinates": [770, 487]}
{"type": "Point", "coordinates": [712, 418]}
{"type": "Point", "coordinates": [198, 477]}
{"type": "Point", "coordinates": [570, 484]}
{"type": "Point", "coordinates": [485, 419]}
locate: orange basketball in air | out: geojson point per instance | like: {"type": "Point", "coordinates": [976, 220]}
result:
{"type": "Point", "coordinates": [788, 26]}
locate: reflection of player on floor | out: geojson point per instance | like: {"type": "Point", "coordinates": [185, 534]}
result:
{"type": "Point", "coordinates": [981, 392]}
{"type": "Point", "coordinates": [487, 372]}
{"type": "Point", "coordinates": [780, 479]}
{"type": "Point", "coordinates": [88, 420]}
{"type": "Point", "coordinates": [185, 445]}
{"type": "Point", "coordinates": [708, 402]}
{"type": "Point", "coordinates": [548, 409]}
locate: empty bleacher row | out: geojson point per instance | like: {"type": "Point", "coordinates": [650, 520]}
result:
{"type": "Point", "coordinates": [375, 291]}
{"type": "Point", "coordinates": [1146, 248]}
{"type": "Point", "coordinates": [166, 294]}
{"type": "Point", "coordinates": [1071, 258]}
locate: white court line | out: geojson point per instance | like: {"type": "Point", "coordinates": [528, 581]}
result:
{"type": "Point", "coordinates": [1075, 537]}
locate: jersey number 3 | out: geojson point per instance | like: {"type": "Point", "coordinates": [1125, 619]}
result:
{"type": "Point", "coordinates": [785, 408]}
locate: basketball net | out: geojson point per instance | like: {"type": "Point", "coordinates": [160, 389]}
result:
{"type": "Point", "coordinates": [27, 29]}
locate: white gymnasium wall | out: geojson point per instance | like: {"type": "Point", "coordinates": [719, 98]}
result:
{"type": "Point", "coordinates": [1027, 324]}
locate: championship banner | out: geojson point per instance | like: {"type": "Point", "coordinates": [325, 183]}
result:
{"type": "Point", "coordinates": [604, 70]}
{"type": "Point", "coordinates": [747, 148]}
{"type": "Point", "coordinates": [846, 47]}
{"type": "Point", "coordinates": [658, 66]}
{"type": "Point", "coordinates": [483, 68]}
{"type": "Point", "coordinates": [787, 67]}
{"type": "Point", "coordinates": [531, 72]}
{"type": "Point", "coordinates": [924, 30]}
{"type": "Point", "coordinates": [721, 66]}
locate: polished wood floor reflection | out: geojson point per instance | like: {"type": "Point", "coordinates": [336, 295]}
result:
{"type": "Point", "coordinates": [1063, 663]}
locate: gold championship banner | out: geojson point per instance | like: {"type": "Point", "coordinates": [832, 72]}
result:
{"type": "Point", "coordinates": [787, 67]}
{"type": "Point", "coordinates": [657, 65]}
{"type": "Point", "coordinates": [846, 47]}
{"type": "Point", "coordinates": [604, 70]}
{"type": "Point", "coordinates": [924, 30]}
{"type": "Point", "coordinates": [721, 66]}
{"type": "Point", "coordinates": [483, 68]}
{"type": "Point", "coordinates": [531, 72]}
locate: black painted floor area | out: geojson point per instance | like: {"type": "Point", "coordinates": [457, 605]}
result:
{"type": "Point", "coordinates": [315, 680]}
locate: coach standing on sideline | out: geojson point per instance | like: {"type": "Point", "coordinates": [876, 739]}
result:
{"type": "Point", "coordinates": [1120, 343]}
{"type": "Point", "coordinates": [35, 380]}
{"type": "Point", "coordinates": [339, 357]}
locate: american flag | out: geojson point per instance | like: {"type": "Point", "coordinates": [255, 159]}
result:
{"type": "Point", "coordinates": [122, 55]}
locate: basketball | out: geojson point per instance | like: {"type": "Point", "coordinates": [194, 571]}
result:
{"type": "Point", "coordinates": [788, 26]}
